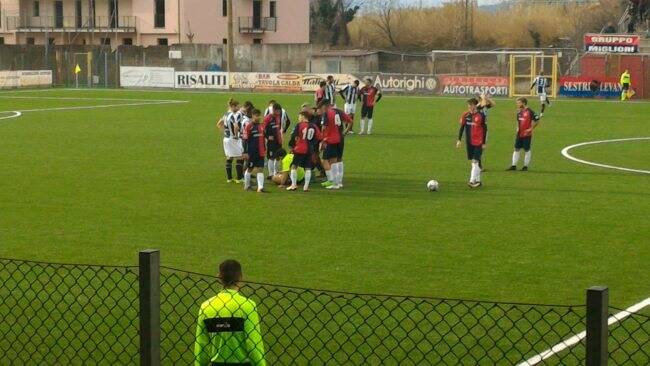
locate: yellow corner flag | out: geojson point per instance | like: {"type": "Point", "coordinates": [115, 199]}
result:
{"type": "Point", "coordinates": [77, 69]}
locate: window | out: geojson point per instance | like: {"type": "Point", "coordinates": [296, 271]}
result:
{"type": "Point", "coordinates": [224, 8]}
{"type": "Point", "coordinates": [2, 40]}
{"type": "Point", "coordinates": [30, 40]}
{"type": "Point", "coordinates": [127, 41]}
{"type": "Point", "coordinates": [106, 41]}
{"type": "Point", "coordinates": [37, 9]}
{"type": "Point", "coordinates": [162, 41]}
{"type": "Point", "coordinates": [113, 13]}
{"type": "Point", "coordinates": [225, 41]}
{"type": "Point", "coordinates": [159, 16]}
{"type": "Point", "coordinates": [257, 41]}
{"type": "Point", "coordinates": [77, 14]}
{"type": "Point", "coordinates": [272, 9]}
{"type": "Point", "coordinates": [50, 41]}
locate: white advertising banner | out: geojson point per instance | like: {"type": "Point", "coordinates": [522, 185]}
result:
{"type": "Point", "coordinates": [310, 81]}
{"type": "Point", "coordinates": [9, 79]}
{"type": "Point", "coordinates": [35, 78]}
{"type": "Point", "coordinates": [243, 80]}
{"type": "Point", "coordinates": [201, 80]}
{"type": "Point", "coordinates": [146, 77]}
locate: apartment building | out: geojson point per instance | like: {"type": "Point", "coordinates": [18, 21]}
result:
{"type": "Point", "coordinates": [151, 22]}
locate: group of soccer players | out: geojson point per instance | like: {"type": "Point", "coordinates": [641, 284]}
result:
{"type": "Point", "coordinates": [253, 140]}
{"type": "Point", "coordinates": [473, 124]}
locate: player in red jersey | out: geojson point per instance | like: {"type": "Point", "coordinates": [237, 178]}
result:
{"type": "Point", "coordinates": [472, 123]}
{"type": "Point", "coordinates": [273, 132]}
{"type": "Point", "coordinates": [254, 151]}
{"type": "Point", "coordinates": [527, 121]}
{"type": "Point", "coordinates": [369, 95]}
{"type": "Point", "coordinates": [332, 145]}
{"type": "Point", "coordinates": [302, 143]}
{"type": "Point", "coordinates": [320, 92]}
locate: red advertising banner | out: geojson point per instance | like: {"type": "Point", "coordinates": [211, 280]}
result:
{"type": "Point", "coordinates": [473, 85]}
{"type": "Point", "coordinates": [612, 43]}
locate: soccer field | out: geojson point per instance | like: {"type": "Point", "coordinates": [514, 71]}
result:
{"type": "Point", "coordinates": [94, 176]}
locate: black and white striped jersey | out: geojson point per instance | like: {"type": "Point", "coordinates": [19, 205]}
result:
{"type": "Point", "coordinates": [350, 93]}
{"type": "Point", "coordinates": [232, 124]}
{"type": "Point", "coordinates": [330, 93]}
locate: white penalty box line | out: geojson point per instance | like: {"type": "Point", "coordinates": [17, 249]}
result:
{"type": "Point", "coordinates": [572, 341]}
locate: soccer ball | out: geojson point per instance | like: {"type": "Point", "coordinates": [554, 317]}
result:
{"type": "Point", "coordinates": [432, 185]}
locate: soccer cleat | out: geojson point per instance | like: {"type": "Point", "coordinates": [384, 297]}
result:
{"type": "Point", "coordinates": [512, 168]}
{"type": "Point", "coordinates": [292, 188]}
{"type": "Point", "coordinates": [476, 185]}
{"type": "Point", "coordinates": [248, 188]}
{"type": "Point", "coordinates": [541, 114]}
{"type": "Point", "coordinates": [261, 190]}
{"type": "Point", "coordinates": [524, 169]}
{"type": "Point", "coordinates": [327, 184]}
{"type": "Point", "coordinates": [228, 180]}
{"type": "Point", "coordinates": [305, 189]}
{"type": "Point", "coordinates": [362, 133]}
{"type": "Point", "coordinates": [333, 186]}
{"type": "Point", "coordinates": [350, 132]}
{"type": "Point", "coordinates": [471, 184]}
{"type": "Point", "coordinates": [238, 181]}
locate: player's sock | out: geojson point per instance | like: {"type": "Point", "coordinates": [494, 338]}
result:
{"type": "Point", "coordinates": [363, 125]}
{"type": "Point", "coordinates": [240, 169]}
{"type": "Point", "coordinates": [369, 125]}
{"type": "Point", "coordinates": [473, 172]}
{"type": "Point", "coordinates": [260, 181]}
{"type": "Point", "coordinates": [548, 101]}
{"type": "Point", "coordinates": [527, 157]}
{"type": "Point", "coordinates": [335, 173]}
{"type": "Point", "coordinates": [229, 169]}
{"type": "Point", "coordinates": [515, 158]}
{"type": "Point", "coordinates": [307, 179]}
{"type": "Point", "coordinates": [247, 179]}
{"type": "Point", "coordinates": [328, 173]}
{"type": "Point", "coordinates": [543, 108]}
{"type": "Point", "coordinates": [623, 95]}
{"type": "Point", "coordinates": [341, 172]}
{"type": "Point", "coordinates": [294, 177]}
{"type": "Point", "coordinates": [477, 174]}
{"type": "Point", "coordinates": [271, 167]}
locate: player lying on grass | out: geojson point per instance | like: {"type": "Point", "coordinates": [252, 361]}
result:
{"type": "Point", "coordinates": [334, 123]}
{"type": "Point", "coordinates": [527, 121]}
{"type": "Point", "coordinates": [281, 178]}
{"type": "Point", "coordinates": [254, 151]}
{"type": "Point", "coordinates": [542, 85]}
{"type": "Point", "coordinates": [472, 124]}
{"type": "Point", "coordinates": [303, 140]}
{"type": "Point", "coordinates": [231, 125]}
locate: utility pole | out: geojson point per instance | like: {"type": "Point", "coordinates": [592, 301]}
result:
{"type": "Point", "coordinates": [231, 40]}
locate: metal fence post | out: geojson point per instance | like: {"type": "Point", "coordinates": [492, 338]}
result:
{"type": "Point", "coordinates": [149, 261]}
{"type": "Point", "coordinates": [597, 314]}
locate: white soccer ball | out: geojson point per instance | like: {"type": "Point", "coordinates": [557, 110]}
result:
{"type": "Point", "coordinates": [432, 185]}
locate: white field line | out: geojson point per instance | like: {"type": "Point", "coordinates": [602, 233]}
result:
{"type": "Point", "coordinates": [85, 98]}
{"type": "Point", "coordinates": [97, 106]}
{"type": "Point", "coordinates": [565, 153]}
{"type": "Point", "coordinates": [580, 336]}
{"type": "Point", "coordinates": [14, 115]}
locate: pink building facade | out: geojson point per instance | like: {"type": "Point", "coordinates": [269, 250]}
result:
{"type": "Point", "coordinates": [151, 22]}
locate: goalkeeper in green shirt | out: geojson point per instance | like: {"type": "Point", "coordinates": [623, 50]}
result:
{"type": "Point", "coordinates": [228, 328]}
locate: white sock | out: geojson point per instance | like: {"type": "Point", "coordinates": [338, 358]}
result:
{"type": "Point", "coordinates": [363, 124]}
{"type": "Point", "coordinates": [369, 125]}
{"type": "Point", "coordinates": [307, 178]}
{"type": "Point", "coordinates": [515, 158]}
{"type": "Point", "coordinates": [260, 180]}
{"type": "Point", "coordinates": [247, 179]}
{"type": "Point", "coordinates": [527, 157]}
{"type": "Point", "coordinates": [294, 177]}
{"type": "Point", "coordinates": [328, 173]}
{"type": "Point", "coordinates": [341, 172]}
{"type": "Point", "coordinates": [272, 167]}
{"type": "Point", "coordinates": [477, 175]}
{"type": "Point", "coordinates": [335, 173]}
{"type": "Point", "coordinates": [472, 173]}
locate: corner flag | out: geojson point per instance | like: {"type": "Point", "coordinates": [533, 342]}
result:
{"type": "Point", "coordinates": [77, 69]}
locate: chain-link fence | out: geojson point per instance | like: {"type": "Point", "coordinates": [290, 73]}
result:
{"type": "Point", "coordinates": [78, 314]}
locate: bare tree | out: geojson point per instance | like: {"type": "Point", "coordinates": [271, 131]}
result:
{"type": "Point", "coordinates": [387, 18]}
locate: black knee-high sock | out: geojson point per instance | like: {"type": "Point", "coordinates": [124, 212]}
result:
{"type": "Point", "coordinates": [548, 101]}
{"type": "Point", "coordinates": [240, 169]}
{"type": "Point", "coordinates": [543, 107]}
{"type": "Point", "coordinates": [229, 169]}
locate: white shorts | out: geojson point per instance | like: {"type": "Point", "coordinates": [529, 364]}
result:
{"type": "Point", "coordinates": [233, 148]}
{"type": "Point", "coordinates": [349, 108]}
{"type": "Point", "coordinates": [542, 97]}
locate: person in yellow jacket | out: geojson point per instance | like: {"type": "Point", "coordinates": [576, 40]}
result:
{"type": "Point", "coordinates": [228, 327]}
{"type": "Point", "coordinates": [626, 83]}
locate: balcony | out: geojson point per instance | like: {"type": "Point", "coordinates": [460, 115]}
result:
{"type": "Point", "coordinates": [122, 24]}
{"type": "Point", "coordinates": [254, 25]}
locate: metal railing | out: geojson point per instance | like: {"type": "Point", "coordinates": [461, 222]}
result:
{"type": "Point", "coordinates": [72, 23]}
{"type": "Point", "coordinates": [87, 314]}
{"type": "Point", "coordinates": [257, 25]}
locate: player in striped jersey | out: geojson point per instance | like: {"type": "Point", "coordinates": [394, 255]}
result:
{"type": "Point", "coordinates": [330, 90]}
{"type": "Point", "coordinates": [542, 85]}
{"type": "Point", "coordinates": [230, 125]}
{"type": "Point", "coordinates": [285, 121]}
{"type": "Point", "coordinates": [350, 94]}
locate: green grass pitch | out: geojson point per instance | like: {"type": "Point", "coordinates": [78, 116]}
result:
{"type": "Point", "coordinates": [96, 185]}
